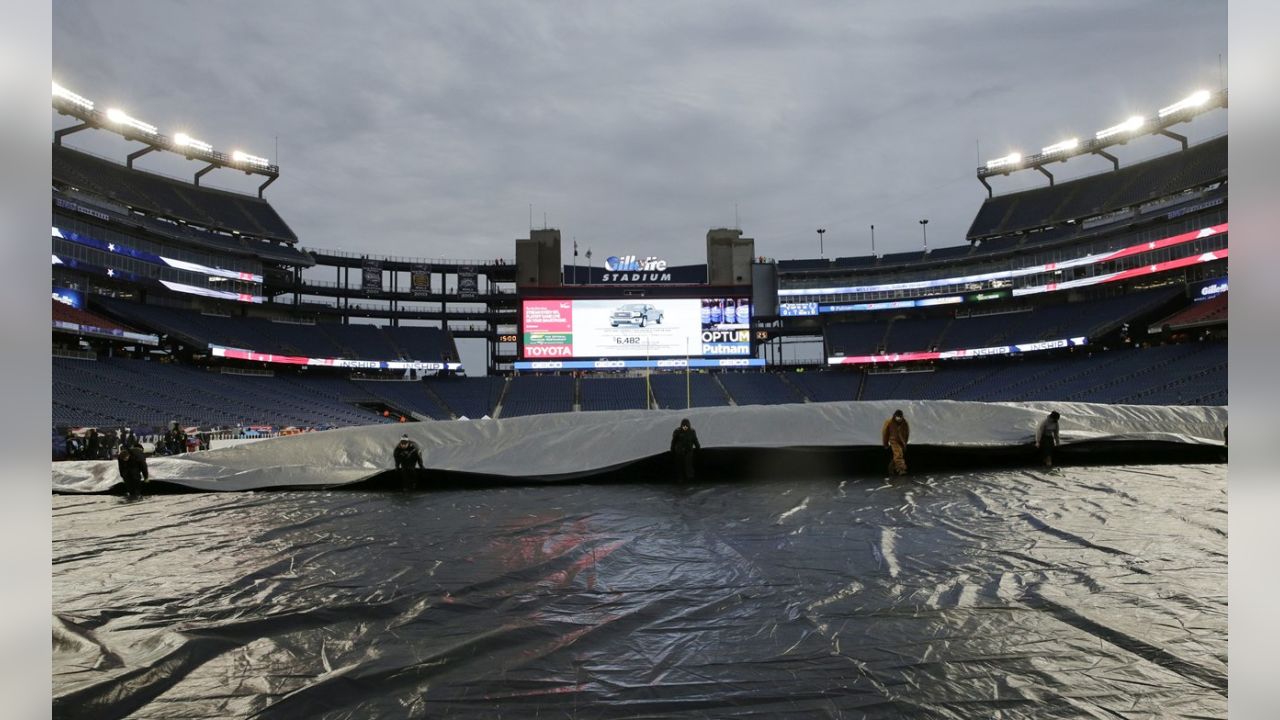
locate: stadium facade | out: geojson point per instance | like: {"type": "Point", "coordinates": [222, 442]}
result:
{"type": "Point", "coordinates": [177, 301]}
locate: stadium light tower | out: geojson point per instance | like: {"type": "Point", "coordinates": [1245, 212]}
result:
{"type": "Point", "coordinates": [1182, 111]}
{"type": "Point", "coordinates": [924, 224]}
{"type": "Point", "coordinates": [185, 140]}
{"type": "Point", "coordinates": [821, 232]}
{"type": "Point", "coordinates": [873, 241]}
{"type": "Point", "coordinates": [118, 121]}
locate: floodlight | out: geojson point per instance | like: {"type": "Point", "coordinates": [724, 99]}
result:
{"type": "Point", "coordinates": [1196, 99]}
{"type": "Point", "coordinates": [185, 140]}
{"type": "Point", "coordinates": [1064, 146]}
{"type": "Point", "coordinates": [120, 117]}
{"type": "Point", "coordinates": [1129, 125]}
{"type": "Point", "coordinates": [1010, 159]}
{"type": "Point", "coordinates": [249, 159]}
{"type": "Point", "coordinates": [65, 94]}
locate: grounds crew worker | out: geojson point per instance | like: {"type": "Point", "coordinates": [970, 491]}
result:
{"type": "Point", "coordinates": [407, 457]}
{"type": "Point", "coordinates": [894, 436]}
{"type": "Point", "coordinates": [132, 464]}
{"type": "Point", "coordinates": [1047, 438]}
{"type": "Point", "coordinates": [684, 440]}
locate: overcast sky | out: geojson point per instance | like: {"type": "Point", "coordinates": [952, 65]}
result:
{"type": "Point", "coordinates": [427, 129]}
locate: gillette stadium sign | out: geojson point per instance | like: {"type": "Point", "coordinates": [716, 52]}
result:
{"type": "Point", "coordinates": [629, 268]}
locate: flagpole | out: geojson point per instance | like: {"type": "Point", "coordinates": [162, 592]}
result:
{"type": "Point", "coordinates": [648, 372]}
{"type": "Point", "coordinates": [688, 396]}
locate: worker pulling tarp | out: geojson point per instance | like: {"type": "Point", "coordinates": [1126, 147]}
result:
{"type": "Point", "coordinates": [580, 445]}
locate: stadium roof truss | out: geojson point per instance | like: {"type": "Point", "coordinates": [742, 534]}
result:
{"type": "Point", "coordinates": [117, 121]}
{"type": "Point", "coordinates": [1119, 134]}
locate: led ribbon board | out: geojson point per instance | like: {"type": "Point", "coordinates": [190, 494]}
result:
{"type": "Point", "coordinates": [667, 364]}
{"type": "Point", "coordinates": [152, 258]}
{"type": "Point", "coordinates": [962, 353]}
{"type": "Point", "coordinates": [1126, 274]}
{"type": "Point", "coordinates": [1019, 272]}
{"type": "Point", "coordinates": [241, 354]}
{"type": "Point", "coordinates": [125, 275]}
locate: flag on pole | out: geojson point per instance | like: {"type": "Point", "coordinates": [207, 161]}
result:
{"type": "Point", "coordinates": [575, 248]}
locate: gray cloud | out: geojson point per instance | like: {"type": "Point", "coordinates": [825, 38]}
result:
{"type": "Point", "coordinates": [426, 129]}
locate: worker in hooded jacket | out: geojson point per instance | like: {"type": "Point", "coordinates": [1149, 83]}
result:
{"type": "Point", "coordinates": [895, 435]}
{"type": "Point", "coordinates": [132, 464]}
{"type": "Point", "coordinates": [684, 441]}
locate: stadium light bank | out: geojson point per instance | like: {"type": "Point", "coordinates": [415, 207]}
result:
{"type": "Point", "coordinates": [1184, 110]}
{"type": "Point", "coordinates": [118, 121]}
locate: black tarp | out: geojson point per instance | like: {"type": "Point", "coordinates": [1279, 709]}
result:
{"type": "Point", "coordinates": [1081, 592]}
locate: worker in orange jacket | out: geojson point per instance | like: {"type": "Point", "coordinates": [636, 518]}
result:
{"type": "Point", "coordinates": [894, 436]}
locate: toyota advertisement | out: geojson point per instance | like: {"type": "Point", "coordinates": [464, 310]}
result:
{"type": "Point", "coordinates": [639, 328]}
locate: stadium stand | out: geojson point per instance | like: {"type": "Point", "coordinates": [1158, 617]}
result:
{"type": "Point", "coordinates": [536, 394]}
{"type": "Point", "coordinates": [144, 393]}
{"type": "Point", "coordinates": [992, 246]}
{"type": "Point", "coordinates": [70, 200]}
{"type": "Point", "coordinates": [422, 343]}
{"type": "Point", "coordinates": [206, 206]}
{"type": "Point", "coordinates": [894, 385]}
{"type": "Point", "coordinates": [1190, 374]}
{"type": "Point", "coordinates": [703, 391]}
{"type": "Point", "coordinates": [62, 312]}
{"type": "Point", "coordinates": [406, 396]}
{"type": "Point", "coordinates": [953, 252]}
{"type": "Point", "coordinates": [902, 258]}
{"type": "Point", "coordinates": [759, 389]}
{"type": "Point", "coordinates": [825, 385]}
{"type": "Point", "coordinates": [855, 338]}
{"type": "Point", "coordinates": [625, 393]}
{"type": "Point", "coordinates": [356, 341]}
{"type": "Point", "coordinates": [1201, 314]}
{"type": "Point", "coordinates": [856, 261]}
{"type": "Point", "coordinates": [1197, 165]}
{"type": "Point", "coordinates": [467, 397]}
{"type": "Point", "coordinates": [987, 330]}
{"type": "Point", "coordinates": [363, 341]}
{"type": "Point", "coordinates": [919, 334]}
{"type": "Point", "coordinates": [806, 264]}
{"type": "Point", "coordinates": [1088, 318]}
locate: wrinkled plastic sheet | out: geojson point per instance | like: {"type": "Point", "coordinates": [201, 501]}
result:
{"type": "Point", "coordinates": [573, 445]}
{"type": "Point", "coordinates": [1094, 592]}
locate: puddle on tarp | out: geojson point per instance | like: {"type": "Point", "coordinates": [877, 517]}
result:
{"type": "Point", "coordinates": [1096, 591]}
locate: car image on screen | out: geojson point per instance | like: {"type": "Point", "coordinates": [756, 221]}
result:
{"type": "Point", "coordinates": [639, 314]}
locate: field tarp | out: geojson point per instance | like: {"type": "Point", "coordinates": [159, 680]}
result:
{"type": "Point", "coordinates": [575, 445]}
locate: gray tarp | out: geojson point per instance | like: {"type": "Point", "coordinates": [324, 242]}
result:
{"type": "Point", "coordinates": [572, 444]}
{"type": "Point", "coordinates": [1086, 592]}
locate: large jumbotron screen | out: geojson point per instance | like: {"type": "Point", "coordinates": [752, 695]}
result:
{"type": "Point", "coordinates": [642, 328]}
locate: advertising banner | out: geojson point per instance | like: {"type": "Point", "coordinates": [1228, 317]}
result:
{"type": "Point", "coordinates": [371, 281]}
{"type": "Point", "coordinates": [651, 328]}
{"type": "Point", "coordinates": [1206, 289]}
{"type": "Point", "coordinates": [798, 309]}
{"type": "Point", "coordinates": [420, 280]}
{"type": "Point", "coordinates": [255, 356]}
{"type": "Point", "coordinates": [547, 328]}
{"type": "Point", "coordinates": [468, 287]}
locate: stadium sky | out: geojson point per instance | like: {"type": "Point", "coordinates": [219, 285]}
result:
{"type": "Point", "coordinates": [428, 129]}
